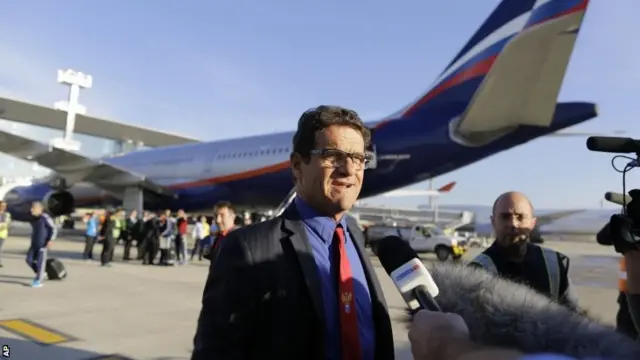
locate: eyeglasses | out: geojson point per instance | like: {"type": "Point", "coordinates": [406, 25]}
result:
{"type": "Point", "coordinates": [336, 158]}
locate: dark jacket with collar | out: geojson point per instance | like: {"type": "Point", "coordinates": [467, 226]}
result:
{"type": "Point", "coordinates": [262, 299]}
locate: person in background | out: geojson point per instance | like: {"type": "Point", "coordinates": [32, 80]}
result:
{"type": "Point", "coordinates": [5, 223]}
{"type": "Point", "coordinates": [112, 230]}
{"type": "Point", "coordinates": [224, 216]}
{"type": "Point", "coordinates": [514, 257]}
{"type": "Point", "coordinates": [43, 232]}
{"type": "Point", "coordinates": [200, 235]}
{"type": "Point", "coordinates": [90, 234]}
{"type": "Point", "coordinates": [246, 221]}
{"type": "Point", "coordinates": [131, 234]}
{"type": "Point", "coordinates": [149, 236]}
{"type": "Point", "coordinates": [181, 237]}
{"type": "Point", "coordinates": [167, 232]}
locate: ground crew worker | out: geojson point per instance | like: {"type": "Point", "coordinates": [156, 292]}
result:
{"type": "Point", "coordinates": [514, 257]}
{"type": "Point", "coordinates": [5, 222]}
{"type": "Point", "coordinates": [43, 232]}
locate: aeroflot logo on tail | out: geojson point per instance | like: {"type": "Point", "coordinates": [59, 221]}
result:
{"type": "Point", "coordinates": [407, 272]}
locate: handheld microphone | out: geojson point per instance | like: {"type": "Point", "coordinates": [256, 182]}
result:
{"type": "Point", "coordinates": [408, 273]}
{"type": "Point", "coordinates": [617, 198]}
{"type": "Point", "coordinates": [612, 144]}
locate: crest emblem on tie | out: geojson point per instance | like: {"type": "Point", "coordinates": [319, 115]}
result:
{"type": "Point", "coordinates": [347, 297]}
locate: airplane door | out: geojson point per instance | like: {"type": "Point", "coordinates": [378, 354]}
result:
{"type": "Point", "coordinates": [208, 164]}
{"type": "Point", "coordinates": [373, 158]}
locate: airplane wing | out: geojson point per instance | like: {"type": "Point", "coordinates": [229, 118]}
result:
{"type": "Point", "coordinates": [74, 168]}
{"type": "Point", "coordinates": [23, 112]}
{"type": "Point", "coordinates": [485, 229]}
{"type": "Point", "coordinates": [555, 216]}
{"type": "Point", "coordinates": [583, 134]}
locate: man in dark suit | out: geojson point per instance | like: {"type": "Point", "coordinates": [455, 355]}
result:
{"type": "Point", "coordinates": [300, 286]}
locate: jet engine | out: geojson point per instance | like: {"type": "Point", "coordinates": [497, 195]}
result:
{"type": "Point", "coordinates": [58, 203]}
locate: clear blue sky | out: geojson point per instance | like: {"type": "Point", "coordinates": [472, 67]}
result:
{"type": "Point", "coordinates": [222, 69]}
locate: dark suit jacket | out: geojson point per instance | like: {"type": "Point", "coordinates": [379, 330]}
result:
{"type": "Point", "coordinates": [262, 299]}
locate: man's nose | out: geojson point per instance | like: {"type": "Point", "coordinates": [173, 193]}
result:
{"type": "Point", "coordinates": [348, 168]}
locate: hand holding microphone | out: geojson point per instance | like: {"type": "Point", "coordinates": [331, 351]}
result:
{"type": "Point", "coordinates": [431, 331]}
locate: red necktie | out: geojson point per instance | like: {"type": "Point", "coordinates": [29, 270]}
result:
{"type": "Point", "coordinates": [351, 349]}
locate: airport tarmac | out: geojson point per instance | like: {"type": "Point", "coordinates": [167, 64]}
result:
{"type": "Point", "coordinates": [139, 312]}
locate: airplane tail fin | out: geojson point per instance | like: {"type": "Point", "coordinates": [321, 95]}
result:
{"type": "Point", "coordinates": [447, 188]}
{"type": "Point", "coordinates": [462, 77]}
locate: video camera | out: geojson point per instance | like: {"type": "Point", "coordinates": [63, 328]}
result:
{"type": "Point", "coordinates": [623, 229]}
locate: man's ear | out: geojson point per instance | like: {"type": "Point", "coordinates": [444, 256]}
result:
{"type": "Point", "coordinates": [296, 162]}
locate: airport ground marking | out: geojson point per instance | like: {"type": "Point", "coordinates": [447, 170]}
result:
{"type": "Point", "coordinates": [35, 332]}
{"type": "Point", "coordinates": [111, 357]}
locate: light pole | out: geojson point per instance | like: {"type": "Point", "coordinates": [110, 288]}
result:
{"type": "Point", "coordinates": [76, 81]}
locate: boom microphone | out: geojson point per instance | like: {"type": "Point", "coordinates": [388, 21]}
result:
{"type": "Point", "coordinates": [408, 273]}
{"type": "Point", "coordinates": [502, 313]}
{"type": "Point", "coordinates": [612, 144]}
{"type": "Point", "coordinates": [617, 198]}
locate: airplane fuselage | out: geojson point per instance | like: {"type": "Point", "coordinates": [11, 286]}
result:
{"type": "Point", "coordinates": [253, 172]}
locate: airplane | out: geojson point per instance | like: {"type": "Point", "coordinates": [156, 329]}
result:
{"type": "Point", "coordinates": [500, 91]}
{"type": "Point", "coordinates": [417, 192]}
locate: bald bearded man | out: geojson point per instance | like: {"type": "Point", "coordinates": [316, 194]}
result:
{"type": "Point", "coordinates": [514, 257]}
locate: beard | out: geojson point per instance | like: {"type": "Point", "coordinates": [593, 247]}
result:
{"type": "Point", "coordinates": [514, 245]}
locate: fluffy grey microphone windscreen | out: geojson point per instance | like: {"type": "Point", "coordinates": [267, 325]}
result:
{"type": "Point", "coordinates": [499, 312]}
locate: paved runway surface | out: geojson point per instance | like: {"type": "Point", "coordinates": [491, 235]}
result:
{"type": "Point", "coordinates": [150, 312]}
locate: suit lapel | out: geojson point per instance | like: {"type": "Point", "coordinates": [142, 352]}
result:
{"type": "Point", "coordinates": [293, 227]}
{"type": "Point", "coordinates": [372, 279]}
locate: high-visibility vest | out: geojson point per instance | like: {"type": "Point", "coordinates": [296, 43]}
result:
{"type": "Point", "coordinates": [5, 220]}
{"type": "Point", "coordinates": [552, 265]}
{"type": "Point", "coordinates": [117, 227]}
{"type": "Point", "coordinates": [622, 276]}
